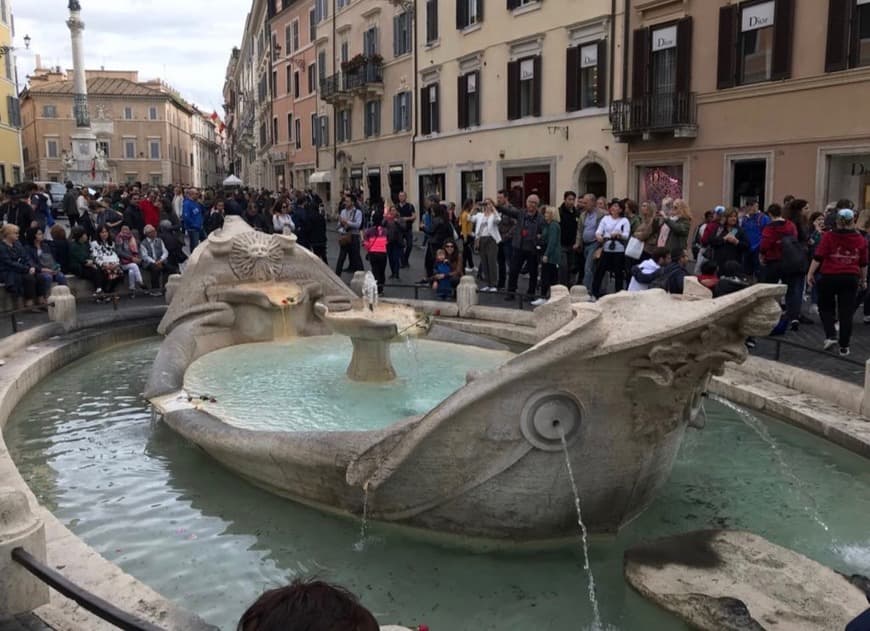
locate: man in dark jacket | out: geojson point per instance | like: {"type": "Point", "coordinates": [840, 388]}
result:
{"type": "Point", "coordinates": [69, 205]}
{"type": "Point", "coordinates": [568, 214]}
{"type": "Point", "coordinates": [18, 211]}
{"type": "Point", "coordinates": [134, 217]}
{"type": "Point", "coordinates": [316, 227]}
{"type": "Point", "coordinates": [256, 220]}
{"type": "Point", "coordinates": [525, 244]}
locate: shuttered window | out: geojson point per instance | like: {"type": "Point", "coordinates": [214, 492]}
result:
{"type": "Point", "coordinates": [586, 74]}
{"type": "Point", "coordinates": [372, 118]}
{"type": "Point", "coordinates": [431, 21]}
{"type": "Point", "coordinates": [848, 43]}
{"type": "Point", "coordinates": [343, 132]}
{"type": "Point", "coordinates": [755, 42]}
{"type": "Point", "coordinates": [524, 87]}
{"type": "Point", "coordinates": [468, 13]}
{"type": "Point", "coordinates": [468, 105]}
{"type": "Point", "coordinates": [402, 112]}
{"type": "Point", "coordinates": [401, 34]}
{"type": "Point", "coordinates": [430, 114]}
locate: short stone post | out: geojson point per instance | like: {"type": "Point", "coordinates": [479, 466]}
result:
{"type": "Point", "coordinates": [865, 400]}
{"type": "Point", "coordinates": [62, 306]}
{"type": "Point", "coordinates": [357, 282]}
{"type": "Point", "coordinates": [579, 294]}
{"type": "Point", "coordinates": [466, 295]}
{"type": "Point", "coordinates": [20, 591]}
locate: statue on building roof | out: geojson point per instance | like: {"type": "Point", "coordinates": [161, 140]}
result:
{"type": "Point", "coordinates": [74, 5]}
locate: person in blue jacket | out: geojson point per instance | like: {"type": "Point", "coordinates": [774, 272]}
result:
{"type": "Point", "coordinates": [192, 214]}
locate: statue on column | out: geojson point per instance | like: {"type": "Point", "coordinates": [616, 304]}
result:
{"type": "Point", "coordinates": [74, 5]}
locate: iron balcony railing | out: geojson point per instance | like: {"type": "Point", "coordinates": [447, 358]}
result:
{"type": "Point", "coordinates": [331, 86]}
{"type": "Point", "coordinates": [654, 112]}
{"type": "Point", "coordinates": [372, 72]}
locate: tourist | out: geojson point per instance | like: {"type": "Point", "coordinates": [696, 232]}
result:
{"type": "Point", "coordinates": [70, 208]}
{"type": "Point", "coordinates": [731, 279]}
{"type": "Point", "coordinates": [551, 253]}
{"type": "Point", "coordinates": [673, 275]}
{"type": "Point", "coordinates": [525, 245]}
{"type": "Point", "coordinates": [753, 224]}
{"type": "Point", "coordinates": [81, 263]}
{"type": "Point", "coordinates": [282, 221]}
{"type": "Point", "coordinates": [315, 229]}
{"type": "Point", "coordinates": [154, 260]}
{"type": "Point", "coordinates": [612, 236]}
{"type": "Point", "coordinates": [192, 214]}
{"type": "Point", "coordinates": [647, 229]}
{"type": "Point", "coordinates": [18, 273]}
{"type": "Point", "coordinates": [127, 248]}
{"type": "Point", "coordinates": [150, 210]}
{"type": "Point", "coordinates": [19, 212]}
{"type": "Point", "coordinates": [395, 240]}
{"type": "Point", "coordinates": [506, 229]}
{"type": "Point", "coordinates": [441, 275]}
{"type": "Point", "coordinates": [439, 231]}
{"type": "Point", "coordinates": [784, 260]}
{"type": "Point", "coordinates": [174, 245]}
{"type": "Point", "coordinates": [841, 258]}
{"type": "Point", "coordinates": [568, 215]}
{"type": "Point", "coordinates": [40, 202]}
{"type": "Point", "coordinates": [699, 234]}
{"type": "Point", "coordinates": [106, 258]}
{"type": "Point", "coordinates": [407, 216]}
{"type": "Point", "coordinates": [647, 271]}
{"type": "Point", "coordinates": [214, 220]}
{"type": "Point", "coordinates": [349, 221]}
{"type": "Point", "coordinates": [729, 242]}
{"type": "Point", "coordinates": [134, 217]}
{"type": "Point", "coordinates": [59, 247]}
{"type": "Point", "coordinates": [375, 242]}
{"type": "Point", "coordinates": [709, 276]}
{"type": "Point", "coordinates": [466, 233]}
{"type": "Point", "coordinates": [177, 205]}
{"type": "Point", "coordinates": [42, 258]}
{"type": "Point", "coordinates": [586, 244]}
{"type": "Point", "coordinates": [487, 239]}
{"type": "Point", "coordinates": [308, 606]}
{"type": "Point", "coordinates": [676, 223]}
{"type": "Point", "coordinates": [454, 257]}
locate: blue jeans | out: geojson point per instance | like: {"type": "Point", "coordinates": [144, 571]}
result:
{"type": "Point", "coordinates": [394, 256]}
{"type": "Point", "coordinates": [589, 264]}
{"type": "Point", "coordinates": [193, 237]}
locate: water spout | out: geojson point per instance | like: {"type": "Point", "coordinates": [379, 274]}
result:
{"type": "Point", "coordinates": [360, 545]}
{"type": "Point", "coordinates": [370, 291]}
{"type": "Point", "coordinates": [593, 600]}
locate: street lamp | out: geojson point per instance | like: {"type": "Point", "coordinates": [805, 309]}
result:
{"type": "Point", "coordinates": [5, 50]}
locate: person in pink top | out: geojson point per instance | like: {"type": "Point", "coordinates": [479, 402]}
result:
{"type": "Point", "coordinates": [375, 243]}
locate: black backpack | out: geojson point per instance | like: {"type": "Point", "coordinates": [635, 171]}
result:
{"type": "Point", "coordinates": [794, 256]}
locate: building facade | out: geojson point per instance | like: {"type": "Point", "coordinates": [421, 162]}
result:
{"type": "Point", "coordinates": [517, 98]}
{"type": "Point", "coordinates": [760, 98]}
{"type": "Point", "coordinates": [207, 169]}
{"type": "Point", "coordinates": [11, 167]}
{"type": "Point", "coordinates": [294, 101]}
{"type": "Point", "coordinates": [145, 129]}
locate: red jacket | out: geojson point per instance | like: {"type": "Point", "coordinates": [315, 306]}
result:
{"type": "Point", "coordinates": [771, 238]}
{"type": "Point", "coordinates": [842, 252]}
{"type": "Point", "coordinates": [149, 213]}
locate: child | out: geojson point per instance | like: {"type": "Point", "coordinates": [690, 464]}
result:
{"type": "Point", "coordinates": [708, 276]}
{"type": "Point", "coordinates": [441, 279]}
{"type": "Point", "coordinates": [647, 271]}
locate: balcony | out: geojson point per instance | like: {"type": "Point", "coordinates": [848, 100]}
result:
{"type": "Point", "coordinates": [367, 79]}
{"type": "Point", "coordinates": [334, 90]}
{"type": "Point", "coordinates": [673, 114]}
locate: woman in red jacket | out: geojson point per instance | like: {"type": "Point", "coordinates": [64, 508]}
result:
{"type": "Point", "coordinates": [375, 243]}
{"type": "Point", "coordinates": [841, 257]}
{"type": "Point", "coordinates": [784, 260]}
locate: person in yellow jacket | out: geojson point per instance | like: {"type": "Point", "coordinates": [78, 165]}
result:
{"type": "Point", "coordinates": [466, 231]}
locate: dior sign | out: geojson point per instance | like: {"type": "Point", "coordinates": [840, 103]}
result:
{"type": "Point", "coordinates": [664, 38]}
{"type": "Point", "coordinates": [589, 56]}
{"type": "Point", "coordinates": [757, 16]}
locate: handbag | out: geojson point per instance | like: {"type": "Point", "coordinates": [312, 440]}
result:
{"type": "Point", "coordinates": [634, 249]}
{"type": "Point", "coordinates": [345, 240]}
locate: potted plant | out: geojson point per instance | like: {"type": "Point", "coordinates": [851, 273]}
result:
{"type": "Point", "coordinates": [355, 62]}
{"type": "Point", "coordinates": [376, 59]}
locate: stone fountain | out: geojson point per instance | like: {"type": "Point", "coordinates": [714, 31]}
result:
{"type": "Point", "coordinates": [618, 381]}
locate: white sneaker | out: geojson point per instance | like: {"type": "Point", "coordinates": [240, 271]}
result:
{"type": "Point", "coordinates": [866, 319]}
{"type": "Point", "coordinates": [492, 290]}
{"type": "Point", "coordinates": [469, 270]}
{"type": "Point", "coordinates": [484, 289]}
{"type": "Point", "coordinates": [829, 344]}
{"type": "Point", "coordinates": [539, 302]}
{"type": "Point", "coordinates": [844, 351]}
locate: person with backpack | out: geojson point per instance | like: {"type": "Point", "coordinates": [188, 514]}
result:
{"type": "Point", "coordinates": [784, 260]}
{"type": "Point", "coordinates": [672, 276]}
{"type": "Point", "coordinates": [841, 257]}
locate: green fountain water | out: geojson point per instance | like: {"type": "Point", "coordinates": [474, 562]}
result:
{"type": "Point", "coordinates": [165, 512]}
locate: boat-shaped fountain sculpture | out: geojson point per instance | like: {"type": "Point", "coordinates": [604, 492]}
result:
{"type": "Point", "coordinates": [613, 385]}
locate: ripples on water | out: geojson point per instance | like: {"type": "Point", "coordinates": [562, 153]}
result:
{"type": "Point", "coordinates": [162, 510]}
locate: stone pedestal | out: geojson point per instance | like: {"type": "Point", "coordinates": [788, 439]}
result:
{"type": "Point", "coordinates": [370, 361]}
{"type": "Point", "coordinates": [62, 306]}
{"type": "Point", "coordinates": [466, 294]}
{"type": "Point", "coordinates": [20, 591]}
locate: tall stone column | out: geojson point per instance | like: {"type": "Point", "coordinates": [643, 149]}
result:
{"type": "Point", "coordinates": [80, 84]}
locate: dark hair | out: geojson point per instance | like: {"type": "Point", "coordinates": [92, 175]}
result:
{"type": "Point", "coordinates": [709, 267]}
{"type": "Point", "coordinates": [795, 207]}
{"type": "Point", "coordinates": [57, 232]}
{"type": "Point", "coordinates": [751, 201]}
{"type": "Point", "coordinates": [568, 194]}
{"type": "Point", "coordinates": [502, 191]}
{"type": "Point", "coordinates": [774, 210]}
{"type": "Point", "coordinates": [100, 229]}
{"type": "Point", "coordinates": [468, 204]}
{"type": "Point", "coordinates": [815, 215]}
{"type": "Point", "coordinates": [708, 216]}
{"type": "Point", "coordinates": [732, 269]}
{"type": "Point", "coordinates": [30, 235]}
{"type": "Point", "coordinates": [76, 233]}
{"type": "Point", "coordinates": [660, 253]}
{"type": "Point", "coordinates": [845, 203]}
{"type": "Point", "coordinates": [631, 205]}
{"type": "Point", "coordinates": [677, 254]}
{"type": "Point", "coordinates": [310, 605]}
{"type": "Point", "coordinates": [788, 199]}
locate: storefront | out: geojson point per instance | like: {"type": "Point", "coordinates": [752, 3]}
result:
{"type": "Point", "coordinates": [846, 176]}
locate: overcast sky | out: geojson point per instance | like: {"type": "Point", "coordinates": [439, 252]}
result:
{"type": "Point", "coordinates": [185, 42]}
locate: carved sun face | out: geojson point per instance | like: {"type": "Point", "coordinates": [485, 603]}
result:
{"type": "Point", "coordinates": [256, 256]}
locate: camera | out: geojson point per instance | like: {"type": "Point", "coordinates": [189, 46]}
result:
{"type": "Point", "coordinates": [612, 245]}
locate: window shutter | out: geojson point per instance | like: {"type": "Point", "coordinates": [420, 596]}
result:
{"type": "Point", "coordinates": [512, 4]}
{"type": "Point", "coordinates": [572, 79]}
{"type": "Point", "coordinates": [396, 35]}
{"type": "Point", "coordinates": [479, 9]}
{"type": "Point", "coordinates": [461, 14]}
{"type": "Point", "coordinates": [513, 88]}
{"type": "Point", "coordinates": [601, 88]}
{"type": "Point", "coordinates": [537, 88]}
{"type": "Point", "coordinates": [396, 123]}
{"type": "Point", "coordinates": [783, 34]}
{"type": "Point", "coordinates": [726, 66]}
{"type": "Point", "coordinates": [425, 118]}
{"type": "Point", "coordinates": [479, 97]}
{"type": "Point", "coordinates": [684, 55]}
{"type": "Point", "coordinates": [431, 20]}
{"type": "Point", "coordinates": [377, 118]}
{"type": "Point", "coordinates": [325, 139]}
{"type": "Point", "coordinates": [639, 63]}
{"type": "Point", "coordinates": [436, 111]}
{"type": "Point", "coordinates": [462, 102]}
{"type": "Point", "coordinates": [837, 48]}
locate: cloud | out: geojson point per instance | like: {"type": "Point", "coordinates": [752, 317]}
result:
{"type": "Point", "coordinates": [187, 44]}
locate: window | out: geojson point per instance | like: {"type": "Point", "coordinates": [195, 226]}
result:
{"type": "Point", "coordinates": [402, 112]}
{"type": "Point", "coordinates": [296, 84]}
{"type": "Point", "coordinates": [321, 66]}
{"type": "Point", "coordinates": [586, 76]}
{"type": "Point", "coordinates": [472, 185]}
{"type": "Point", "coordinates": [128, 113]}
{"type": "Point", "coordinates": [152, 113]}
{"type": "Point", "coordinates": [524, 88]}
{"type": "Point", "coordinates": [314, 127]}
{"type": "Point", "coordinates": [345, 51]}
{"type": "Point", "coordinates": [468, 13]}
{"type": "Point", "coordinates": [155, 179]}
{"type": "Point", "coordinates": [343, 130]}
{"type": "Point", "coordinates": [661, 75]}
{"type": "Point", "coordinates": [154, 149]}
{"type": "Point", "coordinates": [401, 34]}
{"type": "Point", "coordinates": [3, 175]}
{"type": "Point", "coordinates": [104, 145]}
{"type": "Point", "coordinates": [13, 110]}
{"type": "Point", "coordinates": [5, 19]}
{"type": "Point", "coordinates": [372, 118]}
{"type": "Point", "coordinates": [288, 71]}
{"type": "Point", "coordinates": [49, 111]}
{"type": "Point", "coordinates": [298, 133]}
{"type": "Point", "coordinates": [429, 111]}
{"type": "Point", "coordinates": [262, 135]}
{"type": "Point", "coordinates": [431, 21]}
{"type": "Point", "coordinates": [9, 73]}
{"type": "Point", "coordinates": [755, 42]}
{"type": "Point", "coordinates": [323, 133]}
{"type": "Point", "coordinates": [321, 10]}
{"type": "Point", "coordinates": [275, 129]}
{"type": "Point", "coordinates": [312, 25]}
{"type": "Point", "coordinates": [370, 42]}
{"type": "Point", "coordinates": [129, 149]}
{"type": "Point", "coordinates": [274, 47]}
{"type": "Point", "coordinates": [516, 4]}
{"type": "Point", "coordinates": [848, 35]}
{"type": "Point", "coordinates": [16, 175]}
{"type": "Point", "coordinates": [343, 3]}
{"type": "Point", "coordinates": [468, 107]}
{"type": "Point", "coordinates": [312, 79]}
{"type": "Point", "coordinates": [51, 148]}
{"type": "Point", "coordinates": [294, 36]}
{"type": "Point", "coordinates": [289, 127]}
{"type": "Point", "coordinates": [274, 82]}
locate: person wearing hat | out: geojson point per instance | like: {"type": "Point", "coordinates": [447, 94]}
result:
{"type": "Point", "coordinates": [612, 235]}
{"type": "Point", "coordinates": [18, 211]}
{"type": "Point", "coordinates": [841, 258]}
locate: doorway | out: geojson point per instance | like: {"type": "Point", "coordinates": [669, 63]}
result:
{"type": "Point", "coordinates": [593, 180]}
{"type": "Point", "coordinates": [397, 183]}
{"type": "Point", "coordinates": [374, 185]}
{"type": "Point", "coordinates": [748, 179]}
{"type": "Point", "coordinates": [520, 185]}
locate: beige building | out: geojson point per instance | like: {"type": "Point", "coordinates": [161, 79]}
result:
{"type": "Point", "coordinates": [145, 129]}
{"type": "Point", "coordinates": [365, 116]}
{"type": "Point", "coordinates": [10, 115]}
{"type": "Point", "coordinates": [517, 98]}
{"type": "Point", "coordinates": [207, 169]}
{"type": "Point", "coordinates": [759, 98]}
